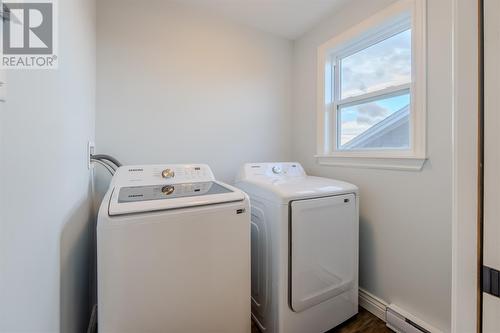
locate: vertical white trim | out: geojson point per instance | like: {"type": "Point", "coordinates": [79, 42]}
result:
{"type": "Point", "coordinates": [320, 102]}
{"type": "Point", "coordinates": [491, 209]}
{"type": "Point", "coordinates": [464, 173]}
{"type": "Point", "coordinates": [419, 78]}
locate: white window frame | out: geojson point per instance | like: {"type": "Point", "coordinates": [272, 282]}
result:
{"type": "Point", "coordinates": [398, 17]}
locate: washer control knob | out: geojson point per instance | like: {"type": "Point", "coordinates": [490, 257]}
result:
{"type": "Point", "coordinates": [277, 170]}
{"type": "Point", "coordinates": [167, 190]}
{"type": "Point", "coordinates": [168, 173]}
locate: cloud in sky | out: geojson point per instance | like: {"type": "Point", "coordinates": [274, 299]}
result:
{"type": "Point", "coordinates": [371, 113]}
{"type": "Point", "coordinates": [359, 118]}
{"type": "Point", "coordinates": [382, 65]}
{"type": "Point", "coordinates": [350, 130]}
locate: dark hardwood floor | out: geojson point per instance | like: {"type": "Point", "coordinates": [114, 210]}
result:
{"type": "Point", "coordinates": [363, 322]}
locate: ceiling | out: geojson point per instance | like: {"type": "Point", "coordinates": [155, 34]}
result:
{"type": "Point", "coordinates": [286, 18]}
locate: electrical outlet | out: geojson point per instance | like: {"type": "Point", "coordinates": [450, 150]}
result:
{"type": "Point", "coordinates": [90, 152]}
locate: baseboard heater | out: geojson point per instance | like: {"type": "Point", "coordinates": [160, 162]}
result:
{"type": "Point", "coordinates": [401, 322]}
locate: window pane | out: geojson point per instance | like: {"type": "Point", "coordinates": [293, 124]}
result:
{"type": "Point", "coordinates": [378, 124]}
{"type": "Point", "coordinates": [385, 64]}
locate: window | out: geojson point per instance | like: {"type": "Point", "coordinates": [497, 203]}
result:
{"type": "Point", "coordinates": [371, 110]}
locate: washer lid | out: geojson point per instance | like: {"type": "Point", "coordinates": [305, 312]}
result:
{"type": "Point", "coordinates": [146, 198]}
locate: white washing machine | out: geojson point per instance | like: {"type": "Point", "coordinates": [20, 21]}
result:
{"type": "Point", "coordinates": [173, 249]}
{"type": "Point", "coordinates": [304, 248]}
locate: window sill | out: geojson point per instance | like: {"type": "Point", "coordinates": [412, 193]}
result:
{"type": "Point", "coordinates": [388, 163]}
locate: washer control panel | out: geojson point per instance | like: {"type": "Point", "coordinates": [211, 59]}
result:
{"type": "Point", "coordinates": [163, 174]}
{"type": "Point", "coordinates": [168, 173]}
{"type": "Point", "coordinates": [172, 191]}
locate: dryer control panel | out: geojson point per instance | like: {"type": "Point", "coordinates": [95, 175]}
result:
{"type": "Point", "coordinates": [272, 170]}
{"type": "Point", "coordinates": [138, 175]}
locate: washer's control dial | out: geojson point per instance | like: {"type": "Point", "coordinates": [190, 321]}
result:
{"type": "Point", "coordinates": [277, 170]}
{"type": "Point", "coordinates": [167, 190]}
{"type": "Point", "coordinates": [168, 173]}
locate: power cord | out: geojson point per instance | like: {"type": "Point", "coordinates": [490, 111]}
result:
{"type": "Point", "coordinates": [105, 165]}
{"type": "Point", "coordinates": [108, 162]}
{"type": "Point", "coordinates": [106, 157]}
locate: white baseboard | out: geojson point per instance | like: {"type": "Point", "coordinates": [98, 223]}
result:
{"type": "Point", "coordinates": [372, 304]}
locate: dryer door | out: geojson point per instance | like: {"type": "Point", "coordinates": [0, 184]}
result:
{"type": "Point", "coordinates": [323, 246]}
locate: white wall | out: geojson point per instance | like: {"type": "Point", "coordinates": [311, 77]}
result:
{"type": "Point", "coordinates": [178, 85]}
{"type": "Point", "coordinates": [405, 227]}
{"type": "Point", "coordinates": [44, 196]}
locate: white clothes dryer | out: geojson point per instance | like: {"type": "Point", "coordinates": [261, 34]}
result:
{"type": "Point", "coordinates": [304, 248]}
